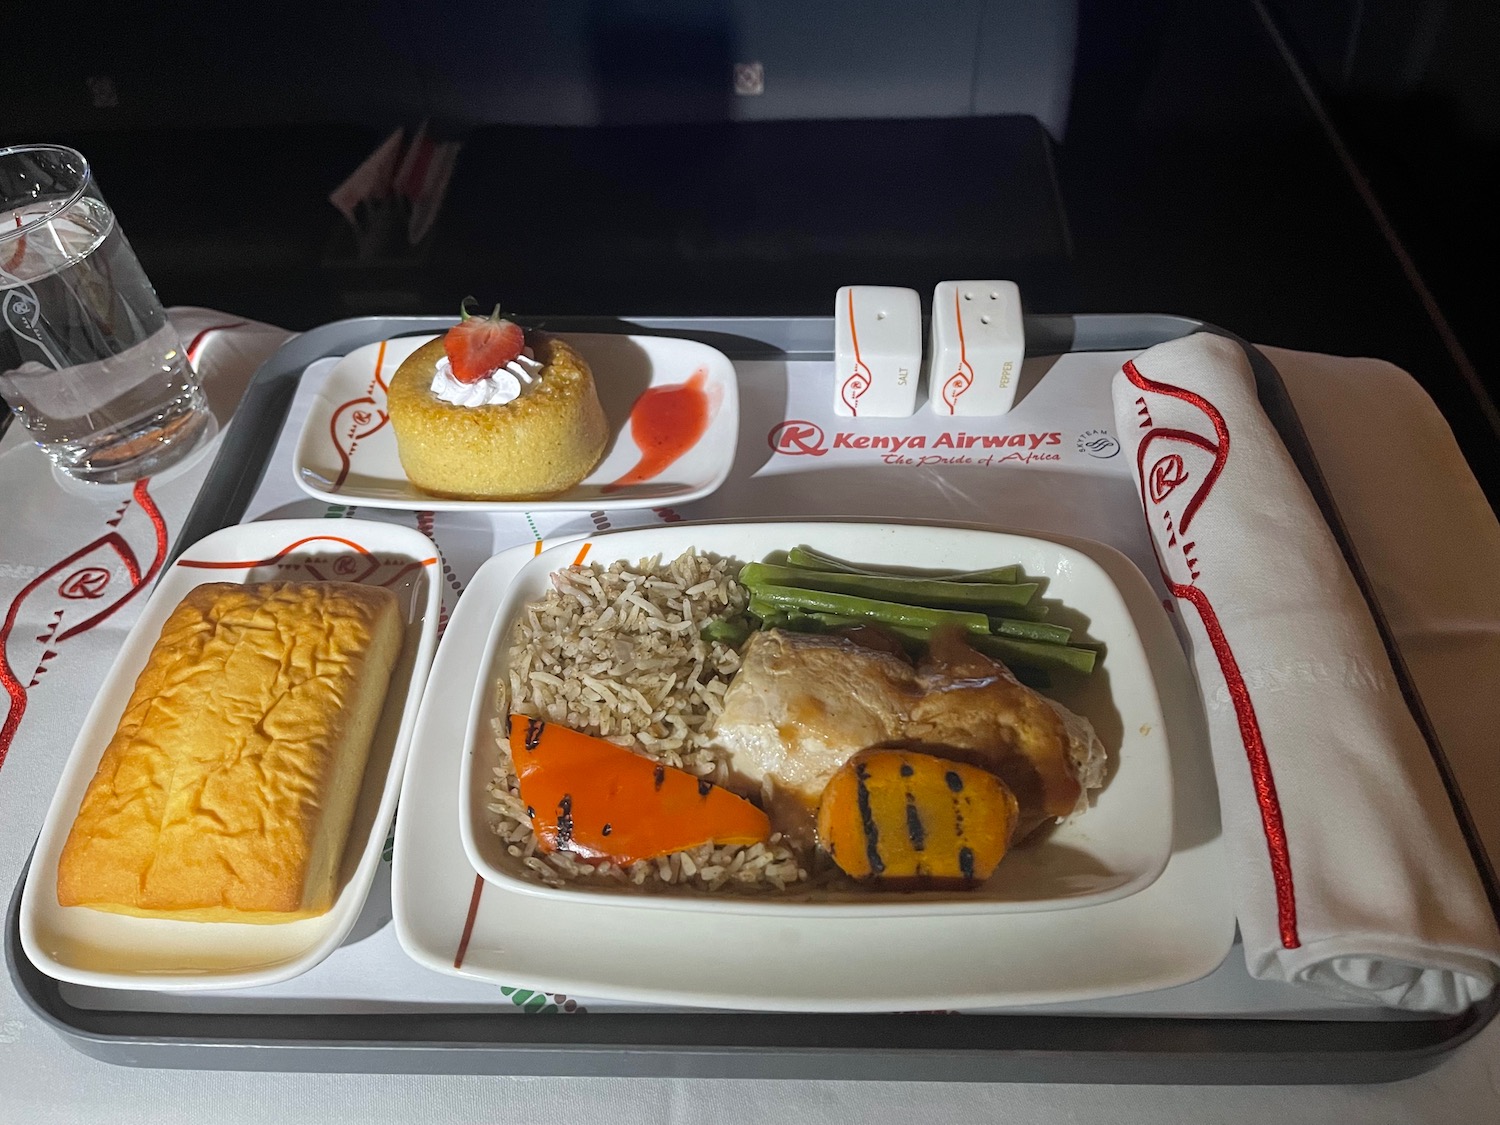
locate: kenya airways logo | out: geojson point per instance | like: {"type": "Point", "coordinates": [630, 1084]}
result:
{"type": "Point", "coordinates": [1165, 476]}
{"type": "Point", "coordinates": [88, 583]}
{"type": "Point", "coordinates": [797, 438]}
{"type": "Point", "coordinates": [108, 565]}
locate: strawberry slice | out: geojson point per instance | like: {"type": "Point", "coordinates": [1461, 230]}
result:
{"type": "Point", "coordinates": [478, 345]}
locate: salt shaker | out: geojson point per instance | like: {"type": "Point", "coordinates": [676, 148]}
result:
{"type": "Point", "coordinates": [877, 351]}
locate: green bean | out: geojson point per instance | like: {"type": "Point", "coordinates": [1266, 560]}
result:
{"type": "Point", "coordinates": [730, 630]}
{"type": "Point", "coordinates": [771, 617]}
{"type": "Point", "coordinates": [804, 623]}
{"type": "Point", "coordinates": [1033, 656]}
{"type": "Point", "coordinates": [909, 591]}
{"type": "Point", "coordinates": [868, 609]}
{"type": "Point", "coordinates": [810, 559]}
{"type": "Point", "coordinates": [921, 633]}
{"type": "Point", "coordinates": [843, 621]}
{"type": "Point", "coordinates": [1033, 611]}
{"type": "Point", "coordinates": [1037, 654]}
{"type": "Point", "coordinates": [805, 590]}
{"type": "Point", "coordinates": [1030, 630]}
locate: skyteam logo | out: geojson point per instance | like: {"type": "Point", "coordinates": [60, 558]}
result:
{"type": "Point", "coordinates": [1098, 443]}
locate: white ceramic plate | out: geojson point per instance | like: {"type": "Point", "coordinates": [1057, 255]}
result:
{"type": "Point", "coordinates": [451, 920]}
{"type": "Point", "coordinates": [1115, 849]}
{"type": "Point", "coordinates": [106, 950]}
{"type": "Point", "coordinates": [346, 453]}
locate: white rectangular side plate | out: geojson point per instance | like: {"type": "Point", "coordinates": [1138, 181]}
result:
{"type": "Point", "coordinates": [108, 950]}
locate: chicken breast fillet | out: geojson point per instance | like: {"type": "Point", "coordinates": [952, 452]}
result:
{"type": "Point", "coordinates": [804, 704]}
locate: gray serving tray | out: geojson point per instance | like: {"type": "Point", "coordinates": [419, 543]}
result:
{"type": "Point", "coordinates": [1132, 1040]}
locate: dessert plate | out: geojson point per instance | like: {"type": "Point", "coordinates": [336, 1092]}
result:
{"type": "Point", "coordinates": [451, 920]}
{"type": "Point", "coordinates": [346, 453]}
{"type": "Point", "coordinates": [87, 946]}
{"type": "Point", "coordinates": [1117, 848]}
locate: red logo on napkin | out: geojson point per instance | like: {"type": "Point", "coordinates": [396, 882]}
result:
{"type": "Point", "coordinates": [1166, 475]}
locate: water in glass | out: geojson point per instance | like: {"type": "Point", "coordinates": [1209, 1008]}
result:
{"type": "Point", "coordinates": [87, 358]}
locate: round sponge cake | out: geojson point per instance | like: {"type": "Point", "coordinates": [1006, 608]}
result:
{"type": "Point", "coordinates": [538, 445]}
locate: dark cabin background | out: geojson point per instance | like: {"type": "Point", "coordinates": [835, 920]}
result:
{"type": "Point", "coordinates": [1145, 155]}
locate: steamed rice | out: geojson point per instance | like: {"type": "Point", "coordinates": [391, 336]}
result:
{"type": "Point", "coordinates": [617, 651]}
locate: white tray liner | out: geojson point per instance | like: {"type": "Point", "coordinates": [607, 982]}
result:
{"type": "Point", "coordinates": [1083, 491]}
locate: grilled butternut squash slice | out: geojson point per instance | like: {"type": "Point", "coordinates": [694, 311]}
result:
{"type": "Point", "coordinates": [911, 820]}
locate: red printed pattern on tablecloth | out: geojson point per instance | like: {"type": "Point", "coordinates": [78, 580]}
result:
{"type": "Point", "coordinates": [83, 576]}
{"type": "Point", "coordinates": [1158, 484]}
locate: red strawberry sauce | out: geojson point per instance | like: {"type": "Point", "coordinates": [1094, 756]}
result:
{"type": "Point", "coordinates": [666, 422]}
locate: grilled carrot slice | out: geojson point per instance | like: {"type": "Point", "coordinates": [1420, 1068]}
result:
{"type": "Point", "coordinates": [909, 819]}
{"type": "Point", "coordinates": [597, 800]}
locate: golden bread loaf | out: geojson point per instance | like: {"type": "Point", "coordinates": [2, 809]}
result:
{"type": "Point", "coordinates": [538, 445]}
{"type": "Point", "coordinates": [229, 787]}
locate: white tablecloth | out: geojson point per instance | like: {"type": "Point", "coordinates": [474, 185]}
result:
{"type": "Point", "coordinates": [1420, 522]}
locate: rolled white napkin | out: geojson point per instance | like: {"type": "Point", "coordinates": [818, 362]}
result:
{"type": "Point", "coordinates": [1349, 868]}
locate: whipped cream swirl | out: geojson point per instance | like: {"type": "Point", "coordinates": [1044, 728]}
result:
{"type": "Point", "coordinates": [504, 384]}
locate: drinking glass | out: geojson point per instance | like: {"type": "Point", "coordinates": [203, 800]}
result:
{"type": "Point", "coordinates": [88, 361]}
